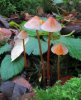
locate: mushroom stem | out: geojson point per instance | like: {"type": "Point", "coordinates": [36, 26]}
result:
{"type": "Point", "coordinates": [42, 60]}
{"type": "Point", "coordinates": [48, 59]}
{"type": "Point", "coordinates": [58, 68]}
{"type": "Point", "coordinates": [25, 59]}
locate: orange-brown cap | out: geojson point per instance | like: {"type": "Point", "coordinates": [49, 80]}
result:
{"type": "Point", "coordinates": [33, 23]}
{"type": "Point", "coordinates": [59, 49]}
{"type": "Point", "coordinates": [51, 25]}
{"type": "Point", "coordinates": [22, 35]}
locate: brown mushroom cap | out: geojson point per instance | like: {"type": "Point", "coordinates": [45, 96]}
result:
{"type": "Point", "coordinates": [33, 23]}
{"type": "Point", "coordinates": [59, 49]}
{"type": "Point", "coordinates": [51, 25]}
{"type": "Point", "coordinates": [22, 35]}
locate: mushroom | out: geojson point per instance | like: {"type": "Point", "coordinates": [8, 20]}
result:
{"type": "Point", "coordinates": [35, 24]}
{"type": "Point", "coordinates": [59, 49]}
{"type": "Point", "coordinates": [51, 25]}
{"type": "Point", "coordinates": [23, 35]}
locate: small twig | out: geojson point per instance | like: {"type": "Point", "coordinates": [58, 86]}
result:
{"type": "Point", "coordinates": [69, 34]}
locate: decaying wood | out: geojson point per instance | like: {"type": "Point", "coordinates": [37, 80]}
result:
{"type": "Point", "coordinates": [3, 22]}
{"type": "Point", "coordinates": [69, 28]}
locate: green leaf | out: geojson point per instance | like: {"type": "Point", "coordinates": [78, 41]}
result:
{"type": "Point", "coordinates": [32, 46]}
{"type": "Point", "coordinates": [58, 1]}
{"type": "Point", "coordinates": [10, 69]}
{"type": "Point", "coordinates": [5, 48]}
{"type": "Point", "coordinates": [73, 45]}
{"type": "Point", "coordinates": [14, 24]}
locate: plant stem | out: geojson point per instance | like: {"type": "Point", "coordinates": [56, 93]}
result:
{"type": "Point", "coordinates": [58, 68]}
{"type": "Point", "coordinates": [69, 33]}
{"type": "Point", "coordinates": [42, 60]}
{"type": "Point", "coordinates": [48, 60]}
{"type": "Point", "coordinates": [25, 59]}
{"type": "Point", "coordinates": [57, 10]}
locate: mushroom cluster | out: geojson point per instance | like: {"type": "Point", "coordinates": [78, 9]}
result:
{"type": "Point", "coordinates": [50, 26]}
{"type": "Point", "coordinates": [35, 24]}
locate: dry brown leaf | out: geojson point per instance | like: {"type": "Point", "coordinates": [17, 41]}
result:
{"type": "Point", "coordinates": [23, 82]}
{"type": "Point", "coordinates": [5, 33]}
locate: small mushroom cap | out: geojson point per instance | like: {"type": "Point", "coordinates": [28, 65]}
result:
{"type": "Point", "coordinates": [22, 35]}
{"type": "Point", "coordinates": [59, 49]}
{"type": "Point", "coordinates": [51, 25]}
{"type": "Point", "coordinates": [33, 23]}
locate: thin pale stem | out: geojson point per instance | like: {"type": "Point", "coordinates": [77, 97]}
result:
{"type": "Point", "coordinates": [48, 60]}
{"type": "Point", "coordinates": [25, 59]}
{"type": "Point", "coordinates": [58, 68]}
{"type": "Point", "coordinates": [42, 60]}
{"type": "Point", "coordinates": [69, 33]}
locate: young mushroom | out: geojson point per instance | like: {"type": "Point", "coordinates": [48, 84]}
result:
{"type": "Point", "coordinates": [51, 25]}
{"type": "Point", "coordinates": [59, 49]}
{"type": "Point", "coordinates": [23, 35]}
{"type": "Point", "coordinates": [34, 24]}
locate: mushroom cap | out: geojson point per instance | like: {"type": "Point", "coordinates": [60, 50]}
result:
{"type": "Point", "coordinates": [33, 23]}
{"type": "Point", "coordinates": [51, 25]}
{"type": "Point", "coordinates": [59, 49]}
{"type": "Point", "coordinates": [22, 35]}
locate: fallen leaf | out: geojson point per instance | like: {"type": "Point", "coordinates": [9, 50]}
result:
{"type": "Point", "coordinates": [5, 34]}
{"type": "Point", "coordinates": [28, 96]}
{"type": "Point", "coordinates": [22, 82]}
{"type": "Point", "coordinates": [4, 22]}
{"type": "Point", "coordinates": [14, 91]}
{"type": "Point", "coordinates": [17, 49]}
